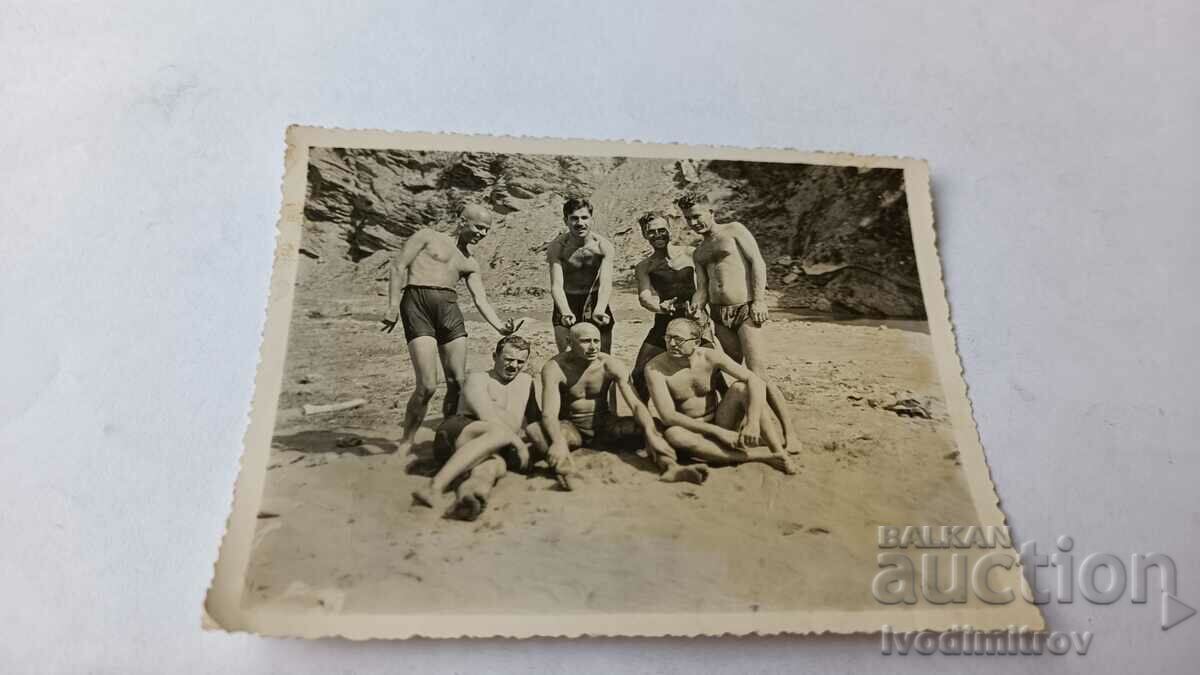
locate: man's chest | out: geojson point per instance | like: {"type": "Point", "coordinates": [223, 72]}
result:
{"type": "Point", "coordinates": [715, 251]}
{"type": "Point", "coordinates": [585, 256]}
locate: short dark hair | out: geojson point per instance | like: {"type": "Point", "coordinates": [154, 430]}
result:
{"type": "Point", "coordinates": [514, 340]}
{"type": "Point", "coordinates": [573, 204]}
{"type": "Point", "coordinates": [649, 217]}
{"type": "Point", "coordinates": [690, 199]}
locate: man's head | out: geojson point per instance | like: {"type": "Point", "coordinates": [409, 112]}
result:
{"type": "Point", "coordinates": [585, 340]}
{"type": "Point", "coordinates": [512, 353]}
{"type": "Point", "coordinates": [474, 222]}
{"type": "Point", "coordinates": [696, 211]}
{"type": "Point", "coordinates": [682, 337]}
{"type": "Point", "coordinates": [655, 229]}
{"type": "Point", "coordinates": [577, 216]}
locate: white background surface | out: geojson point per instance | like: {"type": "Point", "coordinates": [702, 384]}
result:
{"type": "Point", "coordinates": [140, 160]}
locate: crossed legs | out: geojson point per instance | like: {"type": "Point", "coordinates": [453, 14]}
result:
{"type": "Point", "coordinates": [729, 414]}
{"type": "Point", "coordinates": [745, 345]}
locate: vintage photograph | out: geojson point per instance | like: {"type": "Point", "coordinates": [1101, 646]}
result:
{"type": "Point", "coordinates": [518, 387]}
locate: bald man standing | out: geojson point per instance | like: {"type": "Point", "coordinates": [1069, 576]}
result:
{"type": "Point", "coordinates": [422, 298]}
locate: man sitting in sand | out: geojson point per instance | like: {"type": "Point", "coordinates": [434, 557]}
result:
{"type": "Point", "coordinates": [492, 415]}
{"type": "Point", "coordinates": [731, 280]}
{"type": "Point", "coordinates": [575, 410]}
{"type": "Point", "coordinates": [702, 425]}
{"type": "Point", "coordinates": [422, 297]}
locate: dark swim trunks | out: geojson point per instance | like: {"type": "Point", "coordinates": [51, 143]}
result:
{"type": "Point", "coordinates": [731, 316]}
{"type": "Point", "coordinates": [670, 284]}
{"type": "Point", "coordinates": [609, 431]}
{"type": "Point", "coordinates": [428, 311]}
{"type": "Point", "coordinates": [578, 302]}
{"type": "Point", "coordinates": [446, 436]}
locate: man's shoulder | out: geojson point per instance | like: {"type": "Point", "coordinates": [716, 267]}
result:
{"type": "Point", "coordinates": [613, 364]}
{"type": "Point", "coordinates": [602, 242]}
{"type": "Point", "coordinates": [553, 364]}
{"type": "Point", "coordinates": [731, 228]}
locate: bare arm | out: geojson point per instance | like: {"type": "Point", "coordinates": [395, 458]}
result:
{"type": "Point", "coordinates": [748, 247]}
{"type": "Point", "coordinates": [620, 374]}
{"type": "Point", "coordinates": [557, 294]}
{"type": "Point", "coordinates": [665, 403]}
{"type": "Point", "coordinates": [757, 389]}
{"type": "Point", "coordinates": [758, 267]}
{"type": "Point", "coordinates": [646, 295]}
{"type": "Point", "coordinates": [552, 377]}
{"type": "Point", "coordinates": [606, 276]}
{"type": "Point", "coordinates": [398, 275]}
{"type": "Point", "coordinates": [700, 297]}
{"type": "Point", "coordinates": [479, 296]}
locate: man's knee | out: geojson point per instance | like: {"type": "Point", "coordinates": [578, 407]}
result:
{"type": "Point", "coordinates": [678, 436]}
{"type": "Point", "coordinates": [423, 392]}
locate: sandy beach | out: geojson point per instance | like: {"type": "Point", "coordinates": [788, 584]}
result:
{"type": "Point", "coordinates": [338, 530]}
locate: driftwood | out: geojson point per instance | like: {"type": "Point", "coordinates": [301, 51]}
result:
{"type": "Point", "coordinates": [310, 409]}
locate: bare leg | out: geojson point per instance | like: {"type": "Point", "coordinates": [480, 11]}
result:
{"type": "Point", "coordinates": [728, 339]}
{"type": "Point", "coordinates": [424, 354]}
{"type": "Point", "coordinates": [472, 493]}
{"type": "Point", "coordinates": [750, 338]}
{"type": "Point", "coordinates": [469, 453]}
{"type": "Point", "coordinates": [454, 364]}
{"type": "Point", "coordinates": [562, 338]}
{"type": "Point", "coordinates": [705, 449]}
{"type": "Point", "coordinates": [645, 354]}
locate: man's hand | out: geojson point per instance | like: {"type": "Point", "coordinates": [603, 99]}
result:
{"type": "Point", "coordinates": [601, 318]}
{"type": "Point", "coordinates": [567, 319]}
{"type": "Point", "coordinates": [558, 456]}
{"type": "Point", "coordinates": [510, 326]}
{"type": "Point", "coordinates": [667, 307]}
{"type": "Point", "coordinates": [758, 311]}
{"type": "Point", "coordinates": [751, 435]}
{"type": "Point", "coordinates": [390, 318]}
{"type": "Point", "coordinates": [730, 438]}
{"type": "Point", "coordinates": [522, 449]}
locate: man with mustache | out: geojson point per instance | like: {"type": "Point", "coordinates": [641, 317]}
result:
{"type": "Point", "coordinates": [581, 276]}
{"type": "Point", "coordinates": [731, 281]}
{"type": "Point", "coordinates": [422, 297]}
{"type": "Point", "coordinates": [575, 410]}
{"type": "Point", "coordinates": [666, 283]}
{"type": "Point", "coordinates": [487, 435]}
{"type": "Point", "coordinates": [701, 424]}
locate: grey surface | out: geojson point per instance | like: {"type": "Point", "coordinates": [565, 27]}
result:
{"type": "Point", "coordinates": [141, 155]}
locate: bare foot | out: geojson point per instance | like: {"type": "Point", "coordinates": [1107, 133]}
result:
{"type": "Point", "coordinates": [685, 474]}
{"type": "Point", "coordinates": [783, 463]}
{"type": "Point", "coordinates": [567, 480]}
{"type": "Point", "coordinates": [404, 446]}
{"type": "Point", "coordinates": [467, 507]}
{"type": "Point", "coordinates": [426, 497]}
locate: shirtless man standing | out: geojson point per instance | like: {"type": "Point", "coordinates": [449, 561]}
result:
{"type": "Point", "coordinates": [487, 436]}
{"type": "Point", "coordinates": [727, 429]}
{"type": "Point", "coordinates": [575, 411]}
{"type": "Point", "coordinates": [422, 298]}
{"type": "Point", "coordinates": [581, 276]}
{"type": "Point", "coordinates": [731, 280]}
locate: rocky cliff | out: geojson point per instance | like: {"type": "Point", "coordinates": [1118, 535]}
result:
{"type": "Point", "coordinates": [835, 239]}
